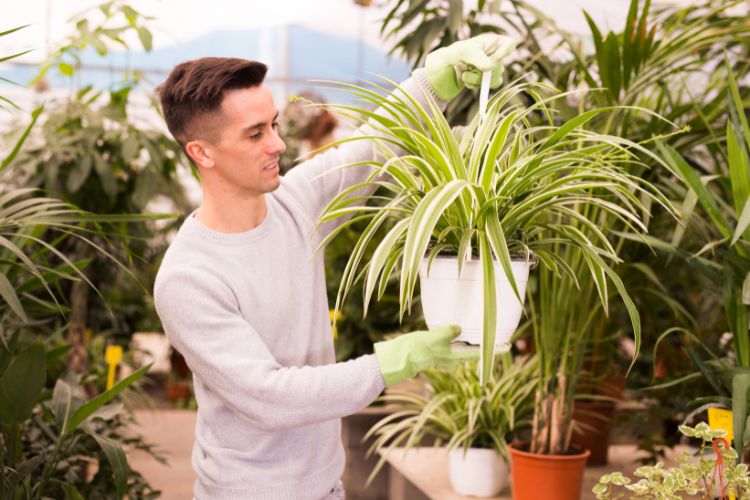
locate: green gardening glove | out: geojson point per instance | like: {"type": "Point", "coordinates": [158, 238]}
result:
{"type": "Point", "coordinates": [405, 356]}
{"type": "Point", "coordinates": [448, 69]}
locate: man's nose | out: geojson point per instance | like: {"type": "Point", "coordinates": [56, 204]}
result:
{"type": "Point", "coordinates": [277, 145]}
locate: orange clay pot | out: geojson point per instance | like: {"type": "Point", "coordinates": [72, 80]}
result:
{"type": "Point", "coordinates": [548, 477]}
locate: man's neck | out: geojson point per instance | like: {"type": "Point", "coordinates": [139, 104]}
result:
{"type": "Point", "coordinates": [235, 215]}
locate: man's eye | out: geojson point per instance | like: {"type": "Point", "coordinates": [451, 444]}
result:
{"type": "Point", "coordinates": [275, 125]}
{"type": "Point", "coordinates": [256, 136]}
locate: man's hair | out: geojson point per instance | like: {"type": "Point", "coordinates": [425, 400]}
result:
{"type": "Point", "coordinates": [194, 90]}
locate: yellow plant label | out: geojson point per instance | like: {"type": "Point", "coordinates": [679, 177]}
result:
{"type": "Point", "coordinates": [719, 418]}
{"type": "Point", "coordinates": [113, 356]}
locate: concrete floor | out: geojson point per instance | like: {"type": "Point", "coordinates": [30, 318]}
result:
{"type": "Point", "coordinates": [173, 433]}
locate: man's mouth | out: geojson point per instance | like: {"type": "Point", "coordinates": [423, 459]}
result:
{"type": "Point", "coordinates": [271, 166]}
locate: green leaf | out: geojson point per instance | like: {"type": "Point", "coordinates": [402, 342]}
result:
{"type": "Point", "coordinates": [146, 38]}
{"type": "Point", "coordinates": [94, 404]}
{"type": "Point", "coordinates": [130, 14]}
{"type": "Point", "coordinates": [146, 185]}
{"type": "Point", "coordinates": [426, 216]}
{"type": "Point", "coordinates": [489, 309]}
{"type": "Point", "coordinates": [737, 103]}
{"type": "Point", "coordinates": [71, 492]}
{"type": "Point", "coordinates": [22, 384]}
{"type": "Point", "coordinates": [629, 42]}
{"type": "Point", "coordinates": [598, 48]}
{"type": "Point", "coordinates": [65, 69]}
{"type": "Point", "coordinates": [117, 460]}
{"type": "Point", "coordinates": [8, 294]}
{"type": "Point", "coordinates": [100, 46]}
{"type": "Point", "coordinates": [78, 174]}
{"type": "Point", "coordinates": [106, 176]}
{"type": "Point", "coordinates": [740, 387]}
{"type": "Point", "coordinates": [742, 223]}
{"type": "Point", "coordinates": [691, 178]}
{"type": "Point", "coordinates": [14, 152]}
{"type": "Point", "coordinates": [13, 30]}
{"type": "Point", "coordinates": [569, 126]}
{"type": "Point", "coordinates": [612, 58]}
{"type": "Point", "coordinates": [13, 56]}
{"type": "Point", "coordinates": [739, 169]}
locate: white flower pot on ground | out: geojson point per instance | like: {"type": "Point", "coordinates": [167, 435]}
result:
{"type": "Point", "coordinates": [450, 299]}
{"type": "Point", "coordinates": [479, 472]}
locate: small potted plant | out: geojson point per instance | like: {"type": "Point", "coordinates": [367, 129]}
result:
{"type": "Point", "coordinates": [500, 189]}
{"type": "Point", "coordinates": [713, 472]}
{"type": "Point", "coordinates": [473, 420]}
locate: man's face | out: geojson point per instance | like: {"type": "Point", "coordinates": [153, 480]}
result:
{"type": "Point", "coordinates": [246, 153]}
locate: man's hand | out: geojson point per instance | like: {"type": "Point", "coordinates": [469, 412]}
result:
{"type": "Point", "coordinates": [448, 69]}
{"type": "Point", "coordinates": [405, 356]}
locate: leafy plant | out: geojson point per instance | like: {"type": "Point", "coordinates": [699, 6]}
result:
{"type": "Point", "coordinates": [48, 436]}
{"type": "Point", "coordinates": [455, 409]}
{"type": "Point", "coordinates": [717, 470]}
{"type": "Point", "coordinates": [504, 188]}
{"type": "Point", "coordinates": [417, 27]}
{"type": "Point", "coordinates": [93, 153]}
{"type": "Point", "coordinates": [724, 219]}
{"type": "Point", "coordinates": [43, 450]}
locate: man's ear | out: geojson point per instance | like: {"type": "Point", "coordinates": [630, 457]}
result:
{"type": "Point", "coordinates": [200, 152]}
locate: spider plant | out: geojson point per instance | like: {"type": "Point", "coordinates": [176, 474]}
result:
{"type": "Point", "coordinates": [502, 187]}
{"type": "Point", "coordinates": [455, 409]}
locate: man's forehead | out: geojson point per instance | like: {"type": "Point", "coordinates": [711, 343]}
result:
{"type": "Point", "coordinates": [255, 100]}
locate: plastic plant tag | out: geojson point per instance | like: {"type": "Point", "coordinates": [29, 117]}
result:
{"type": "Point", "coordinates": [113, 356]}
{"type": "Point", "coordinates": [719, 418]}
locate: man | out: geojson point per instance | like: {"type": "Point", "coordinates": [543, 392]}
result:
{"type": "Point", "coordinates": [241, 292]}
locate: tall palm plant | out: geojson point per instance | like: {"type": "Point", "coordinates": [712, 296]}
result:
{"type": "Point", "coordinates": [720, 208]}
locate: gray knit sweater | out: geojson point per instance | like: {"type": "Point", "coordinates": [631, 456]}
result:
{"type": "Point", "coordinates": [250, 314]}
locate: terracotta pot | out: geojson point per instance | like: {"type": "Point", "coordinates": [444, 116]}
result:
{"type": "Point", "coordinates": [594, 419]}
{"type": "Point", "coordinates": [551, 477]}
{"type": "Point", "coordinates": [176, 391]}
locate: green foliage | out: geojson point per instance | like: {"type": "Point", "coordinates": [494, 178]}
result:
{"type": "Point", "coordinates": [723, 201]}
{"type": "Point", "coordinates": [502, 186]}
{"type": "Point", "coordinates": [92, 152]}
{"type": "Point", "coordinates": [99, 28]}
{"type": "Point", "coordinates": [419, 26]}
{"type": "Point", "coordinates": [699, 474]}
{"type": "Point", "coordinates": [49, 438]}
{"type": "Point", "coordinates": [356, 332]}
{"type": "Point", "coordinates": [50, 431]}
{"type": "Point", "coordinates": [456, 409]}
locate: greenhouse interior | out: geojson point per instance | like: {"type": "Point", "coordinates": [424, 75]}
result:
{"type": "Point", "coordinates": [375, 249]}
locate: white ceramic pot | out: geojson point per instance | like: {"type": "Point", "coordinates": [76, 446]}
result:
{"type": "Point", "coordinates": [450, 299]}
{"type": "Point", "coordinates": [478, 472]}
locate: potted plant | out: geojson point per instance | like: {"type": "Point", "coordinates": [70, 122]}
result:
{"type": "Point", "coordinates": [712, 472]}
{"type": "Point", "coordinates": [473, 420]}
{"type": "Point", "coordinates": [498, 189]}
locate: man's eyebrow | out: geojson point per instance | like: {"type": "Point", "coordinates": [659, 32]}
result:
{"type": "Point", "coordinates": [259, 124]}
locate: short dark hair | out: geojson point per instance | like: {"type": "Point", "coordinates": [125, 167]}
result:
{"type": "Point", "coordinates": [194, 90]}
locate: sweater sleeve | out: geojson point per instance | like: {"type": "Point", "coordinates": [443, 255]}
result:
{"type": "Point", "coordinates": [202, 320]}
{"type": "Point", "coordinates": [315, 182]}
